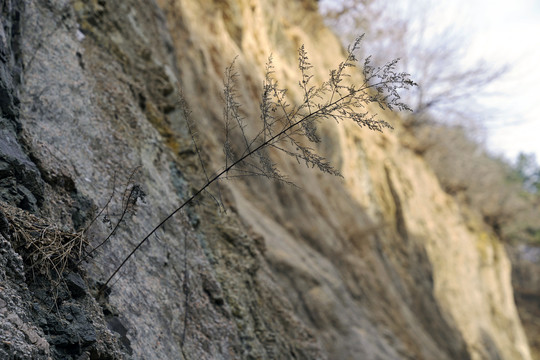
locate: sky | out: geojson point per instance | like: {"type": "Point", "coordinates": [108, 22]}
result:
{"type": "Point", "coordinates": [507, 32]}
{"type": "Point", "coordinates": [499, 32]}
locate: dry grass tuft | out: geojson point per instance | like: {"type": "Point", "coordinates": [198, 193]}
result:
{"type": "Point", "coordinates": [45, 248]}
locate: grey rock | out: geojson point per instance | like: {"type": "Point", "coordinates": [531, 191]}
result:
{"type": "Point", "coordinates": [21, 338]}
{"type": "Point", "coordinates": [75, 284]}
{"type": "Point", "coordinates": [20, 181]}
{"type": "Point", "coordinates": [39, 319]}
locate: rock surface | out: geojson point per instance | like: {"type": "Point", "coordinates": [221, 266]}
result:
{"type": "Point", "coordinates": [20, 337]}
{"type": "Point", "coordinates": [20, 181]}
{"type": "Point", "coordinates": [44, 319]}
{"type": "Point", "coordinates": [380, 265]}
{"type": "Point", "coordinates": [526, 282]}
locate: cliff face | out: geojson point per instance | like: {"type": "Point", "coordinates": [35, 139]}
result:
{"type": "Point", "coordinates": [379, 265]}
{"type": "Point", "coordinates": [526, 283]}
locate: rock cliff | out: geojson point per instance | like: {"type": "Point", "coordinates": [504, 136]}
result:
{"type": "Point", "coordinates": [381, 264]}
{"type": "Point", "coordinates": [526, 282]}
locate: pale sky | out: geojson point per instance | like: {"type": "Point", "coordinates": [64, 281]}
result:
{"type": "Point", "coordinates": [499, 32]}
{"type": "Point", "coordinates": [504, 32]}
{"type": "Point", "coordinates": [508, 31]}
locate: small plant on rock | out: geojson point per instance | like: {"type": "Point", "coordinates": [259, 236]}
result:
{"type": "Point", "coordinates": [288, 128]}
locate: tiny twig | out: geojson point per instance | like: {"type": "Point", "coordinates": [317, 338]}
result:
{"type": "Point", "coordinates": [129, 197]}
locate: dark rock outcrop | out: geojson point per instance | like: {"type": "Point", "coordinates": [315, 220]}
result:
{"type": "Point", "coordinates": [20, 181]}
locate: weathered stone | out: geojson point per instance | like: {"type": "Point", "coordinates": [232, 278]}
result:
{"type": "Point", "coordinates": [20, 182]}
{"type": "Point", "coordinates": [526, 283]}
{"type": "Point", "coordinates": [75, 284]}
{"type": "Point", "coordinates": [380, 265]}
{"type": "Point", "coordinates": [19, 337]}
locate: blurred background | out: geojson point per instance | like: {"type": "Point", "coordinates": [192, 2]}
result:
{"type": "Point", "coordinates": [476, 111]}
{"type": "Point", "coordinates": [476, 59]}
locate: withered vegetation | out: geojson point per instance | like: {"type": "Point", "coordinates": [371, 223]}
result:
{"type": "Point", "coordinates": [46, 249]}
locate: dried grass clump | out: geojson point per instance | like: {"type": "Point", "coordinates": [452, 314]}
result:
{"type": "Point", "coordinates": [45, 248]}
